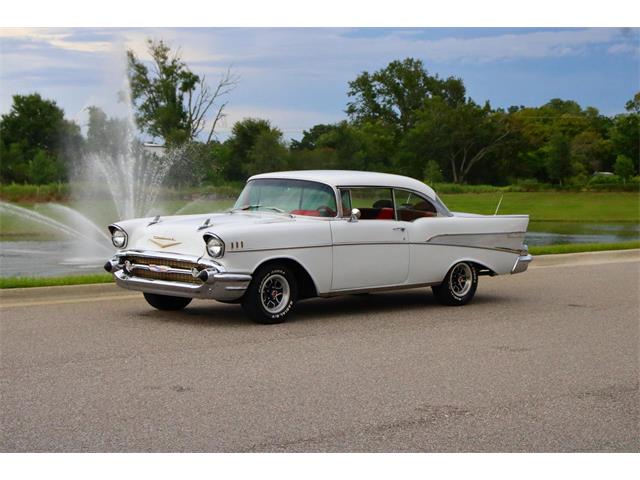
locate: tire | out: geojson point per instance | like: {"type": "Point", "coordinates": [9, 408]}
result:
{"type": "Point", "coordinates": [271, 294]}
{"type": "Point", "coordinates": [459, 285]}
{"type": "Point", "coordinates": [166, 302]}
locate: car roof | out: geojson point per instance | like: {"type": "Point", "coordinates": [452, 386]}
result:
{"type": "Point", "coordinates": [353, 178]}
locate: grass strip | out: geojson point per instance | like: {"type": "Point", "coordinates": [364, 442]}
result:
{"type": "Point", "coordinates": [583, 247]}
{"type": "Point", "coordinates": [26, 282]}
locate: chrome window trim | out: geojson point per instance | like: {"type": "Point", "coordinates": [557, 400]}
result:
{"type": "Point", "coordinates": [333, 188]}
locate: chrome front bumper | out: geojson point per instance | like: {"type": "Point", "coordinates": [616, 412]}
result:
{"type": "Point", "coordinates": [522, 263]}
{"type": "Point", "coordinates": [208, 279]}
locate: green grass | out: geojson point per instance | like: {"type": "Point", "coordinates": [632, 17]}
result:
{"type": "Point", "coordinates": [583, 247]}
{"type": "Point", "coordinates": [552, 206]}
{"type": "Point", "coordinates": [25, 282]}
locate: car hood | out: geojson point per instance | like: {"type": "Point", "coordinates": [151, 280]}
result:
{"type": "Point", "coordinates": [183, 233]}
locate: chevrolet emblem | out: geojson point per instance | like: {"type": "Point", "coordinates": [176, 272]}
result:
{"type": "Point", "coordinates": [164, 242]}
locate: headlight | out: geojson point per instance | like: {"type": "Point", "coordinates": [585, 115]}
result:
{"type": "Point", "coordinates": [118, 238]}
{"type": "Point", "coordinates": [215, 246]}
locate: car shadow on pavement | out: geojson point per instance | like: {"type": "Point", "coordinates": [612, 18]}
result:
{"type": "Point", "coordinates": [406, 302]}
{"type": "Point", "coordinates": [409, 302]}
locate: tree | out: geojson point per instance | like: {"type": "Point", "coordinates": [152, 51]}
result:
{"type": "Point", "coordinates": [432, 172]}
{"type": "Point", "coordinates": [268, 153]}
{"type": "Point", "coordinates": [238, 153]}
{"type": "Point", "coordinates": [461, 136]}
{"type": "Point", "coordinates": [107, 135]}
{"type": "Point", "coordinates": [624, 167]}
{"type": "Point", "coordinates": [310, 137]}
{"type": "Point", "coordinates": [44, 168]}
{"type": "Point", "coordinates": [397, 92]}
{"type": "Point", "coordinates": [171, 101]}
{"type": "Point", "coordinates": [558, 160]}
{"type": "Point", "coordinates": [590, 150]}
{"type": "Point", "coordinates": [36, 127]}
{"type": "Point", "coordinates": [625, 132]}
{"type": "Point", "coordinates": [633, 105]}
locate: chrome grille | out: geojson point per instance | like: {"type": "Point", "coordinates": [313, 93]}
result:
{"type": "Point", "coordinates": [171, 277]}
{"type": "Point", "coordinates": [184, 277]}
{"type": "Point", "coordinates": [168, 262]}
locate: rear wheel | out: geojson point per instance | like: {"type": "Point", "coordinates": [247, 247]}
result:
{"type": "Point", "coordinates": [166, 302]}
{"type": "Point", "coordinates": [271, 294]}
{"type": "Point", "coordinates": [459, 286]}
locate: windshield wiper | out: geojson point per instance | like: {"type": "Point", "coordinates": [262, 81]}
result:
{"type": "Point", "coordinates": [249, 207]}
{"type": "Point", "coordinates": [245, 207]}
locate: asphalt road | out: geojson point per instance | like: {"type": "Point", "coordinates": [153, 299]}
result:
{"type": "Point", "coordinates": [543, 361]}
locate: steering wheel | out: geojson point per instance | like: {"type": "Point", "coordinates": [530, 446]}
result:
{"type": "Point", "coordinates": [328, 212]}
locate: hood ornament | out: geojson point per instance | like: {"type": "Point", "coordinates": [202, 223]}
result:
{"type": "Point", "coordinates": [206, 224]}
{"type": "Point", "coordinates": [155, 220]}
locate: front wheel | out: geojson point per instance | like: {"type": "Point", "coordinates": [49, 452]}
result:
{"type": "Point", "coordinates": [166, 302]}
{"type": "Point", "coordinates": [271, 294]}
{"type": "Point", "coordinates": [459, 286]}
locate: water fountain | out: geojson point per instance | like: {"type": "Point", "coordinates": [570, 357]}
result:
{"type": "Point", "coordinates": [121, 177]}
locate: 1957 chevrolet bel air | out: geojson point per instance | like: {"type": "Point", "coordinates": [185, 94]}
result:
{"type": "Point", "coordinates": [295, 235]}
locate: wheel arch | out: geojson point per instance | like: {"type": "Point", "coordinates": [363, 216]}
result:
{"type": "Point", "coordinates": [307, 286]}
{"type": "Point", "coordinates": [482, 267]}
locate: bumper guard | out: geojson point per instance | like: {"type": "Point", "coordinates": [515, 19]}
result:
{"type": "Point", "coordinates": [211, 280]}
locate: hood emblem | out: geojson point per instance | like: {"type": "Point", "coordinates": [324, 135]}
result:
{"type": "Point", "coordinates": [164, 242]}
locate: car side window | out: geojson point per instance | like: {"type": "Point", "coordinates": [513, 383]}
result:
{"type": "Point", "coordinates": [374, 203]}
{"type": "Point", "coordinates": [410, 206]}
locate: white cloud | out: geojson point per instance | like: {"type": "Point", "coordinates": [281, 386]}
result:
{"type": "Point", "coordinates": [622, 48]}
{"type": "Point", "coordinates": [55, 37]}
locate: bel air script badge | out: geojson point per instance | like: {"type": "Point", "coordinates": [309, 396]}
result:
{"type": "Point", "coordinates": [164, 242]}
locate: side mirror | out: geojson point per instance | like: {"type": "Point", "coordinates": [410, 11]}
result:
{"type": "Point", "coordinates": [355, 215]}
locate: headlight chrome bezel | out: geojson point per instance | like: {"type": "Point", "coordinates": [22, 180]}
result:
{"type": "Point", "coordinates": [219, 244]}
{"type": "Point", "coordinates": [118, 232]}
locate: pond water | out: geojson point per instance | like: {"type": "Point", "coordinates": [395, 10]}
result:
{"type": "Point", "coordinates": [554, 233]}
{"type": "Point", "coordinates": [56, 257]}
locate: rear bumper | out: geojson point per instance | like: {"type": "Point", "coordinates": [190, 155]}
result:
{"type": "Point", "coordinates": [522, 263]}
{"type": "Point", "coordinates": [210, 280]}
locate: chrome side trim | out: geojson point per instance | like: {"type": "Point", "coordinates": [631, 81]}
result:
{"type": "Point", "coordinates": [495, 249]}
{"type": "Point", "coordinates": [278, 248]}
{"type": "Point", "coordinates": [478, 233]}
{"type": "Point", "coordinates": [349, 244]}
{"type": "Point", "coordinates": [335, 293]}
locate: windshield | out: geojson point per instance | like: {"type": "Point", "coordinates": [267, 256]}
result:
{"type": "Point", "coordinates": [298, 197]}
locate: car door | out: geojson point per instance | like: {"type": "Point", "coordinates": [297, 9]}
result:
{"type": "Point", "coordinates": [419, 215]}
{"type": "Point", "coordinates": [374, 250]}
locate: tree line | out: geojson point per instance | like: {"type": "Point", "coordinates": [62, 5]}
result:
{"type": "Point", "coordinates": [399, 119]}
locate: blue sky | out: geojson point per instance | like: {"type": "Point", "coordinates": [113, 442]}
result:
{"type": "Point", "coordinates": [297, 77]}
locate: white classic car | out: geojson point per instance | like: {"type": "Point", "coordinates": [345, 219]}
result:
{"type": "Point", "coordinates": [296, 235]}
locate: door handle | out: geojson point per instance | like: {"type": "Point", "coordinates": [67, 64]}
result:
{"type": "Point", "coordinates": [399, 229]}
